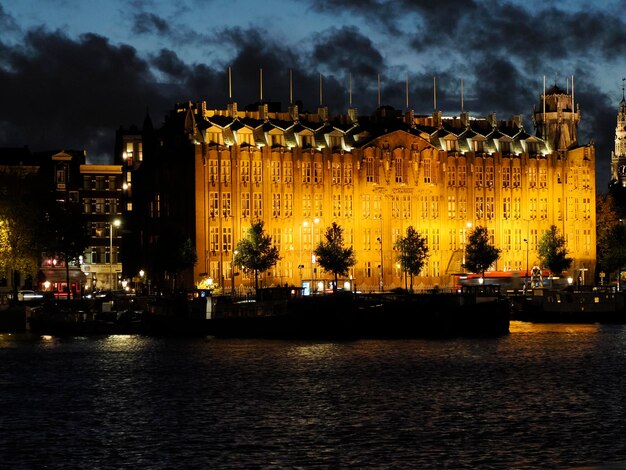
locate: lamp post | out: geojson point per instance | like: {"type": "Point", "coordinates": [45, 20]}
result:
{"type": "Point", "coordinates": [313, 276]}
{"type": "Point", "coordinates": [141, 275]}
{"type": "Point", "coordinates": [526, 277]}
{"type": "Point", "coordinates": [232, 274]}
{"type": "Point", "coordinates": [381, 274]}
{"type": "Point", "coordinates": [300, 265]}
{"type": "Point", "coordinates": [468, 225]}
{"type": "Point", "coordinates": [117, 223]}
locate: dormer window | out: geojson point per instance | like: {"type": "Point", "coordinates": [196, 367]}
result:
{"type": "Point", "coordinates": [306, 140]}
{"type": "Point", "coordinates": [335, 141]}
{"type": "Point", "coordinates": [277, 140]}
{"type": "Point", "coordinates": [216, 137]}
{"type": "Point", "coordinates": [451, 145]}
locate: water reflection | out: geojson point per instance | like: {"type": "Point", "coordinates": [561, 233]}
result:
{"type": "Point", "coordinates": [536, 328]}
{"type": "Point", "coordinates": [545, 396]}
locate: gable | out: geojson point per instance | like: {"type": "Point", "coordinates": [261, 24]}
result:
{"type": "Point", "coordinates": [400, 138]}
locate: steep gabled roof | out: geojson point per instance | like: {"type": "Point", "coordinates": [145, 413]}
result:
{"type": "Point", "coordinates": [220, 121]}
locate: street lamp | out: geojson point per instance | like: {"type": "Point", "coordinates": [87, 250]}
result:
{"type": "Point", "coordinates": [141, 275]}
{"type": "Point", "coordinates": [232, 273]}
{"type": "Point", "coordinates": [117, 223]}
{"type": "Point", "coordinates": [300, 265]}
{"type": "Point", "coordinates": [469, 226]}
{"type": "Point", "coordinates": [381, 274]}
{"type": "Point", "coordinates": [526, 277]}
{"type": "Point", "coordinates": [315, 222]}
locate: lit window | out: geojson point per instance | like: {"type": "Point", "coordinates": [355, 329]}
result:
{"type": "Point", "coordinates": [336, 205]}
{"type": "Point", "coordinates": [276, 205]}
{"type": "Point", "coordinates": [257, 171]}
{"type": "Point", "coordinates": [347, 173]}
{"type": "Point", "coordinates": [427, 170]}
{"type": "Point", "coordinates": [225, 171]}
{"type": "Point", "coordinates": [506, 177]}
{"type": "Point", "coordinates": [245, 171]}
{"type": "Point", "coordinates": [227, 239]}
{"type": "Point", "coordinates": [399, 170]}
{"type": "Point", "coordinates": [288, 171]}
{"type": "Point", "coordinates": [245, 205]}
{"type": "Point", "coordinates": [306, 172]}
{"type": "Point", "coordinates": [489, 176]}
{"type": "Point", "coordinates": [317, 172]}
{"type": "Point", "coordinates": [462, 175]}
{"type": "Point", "coordinates": [288, 204]}
{"type": "Point", "coordinates": [451, 175]}
{"type": "Point", "coordinates": [257, 206]}
{"type": "Point", "coordinates": [226, 205]}
{"type": "Point", "coordinates": [319, 205]}
{"type": "Point", "coordinates": [369, 169]}
{"type": "Point", "coordinates": [336, 173]}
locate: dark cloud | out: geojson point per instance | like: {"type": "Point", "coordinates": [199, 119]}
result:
{"type": "Point", "coordinates": [380, 13]}
{"type": "Point", "coordinates": [7, 23]}
{"type": "Point", "coordinates": [63, 93]}
{"type": "Point", "coordinates": [472, 26]}
{"type": "Point", "coordinates": [499, 87]}
{"type": "Point", "coordinates": [167, 62]}
{"type": "Point", "coordinates": [144, 23]}
{"type": "Point", "coordinates": [597, 125]}
{"type": "Point", "coordinates": [347, 50]}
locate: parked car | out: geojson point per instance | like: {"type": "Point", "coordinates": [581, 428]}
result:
{"type": "Point", "coordinates": [28, 295]}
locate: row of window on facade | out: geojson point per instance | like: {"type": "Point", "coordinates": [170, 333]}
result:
{"type": "Point", "coordinates": [101, 183]}
{"type": "Point", "coordinates": [251, 205]}
{"type": "Point", "coordinates": [101, 255]}
{"type": "Point", "coordinates": [286, 270]}
{"type": "Point", "coordinates": [313, 172]}
{"type": "Point", "coordinates": [100, 205]}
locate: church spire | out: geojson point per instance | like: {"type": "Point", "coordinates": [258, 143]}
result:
{"type": "Point", "coordinates": [618, 156]}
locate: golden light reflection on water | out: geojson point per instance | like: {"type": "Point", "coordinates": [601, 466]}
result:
{"type": "Point", "coordinates": [314, 350]}
{"type": "Point", "coordinates": [122, 342]}
{"type": "Point", "coordinates": [111, 342]}
{"type": "Point", "coordinates": [572, 328]}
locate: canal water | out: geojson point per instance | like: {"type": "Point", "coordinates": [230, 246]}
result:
{"type": "Point", "coordinates": [545, 396]}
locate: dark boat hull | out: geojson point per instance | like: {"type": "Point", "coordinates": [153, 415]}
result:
{"type": "Point", "coordinates": [567, 306]}
{"type": "Point", "coordinates": [348, 317]}
{"type": "Point", "coordinates": [329, 317]}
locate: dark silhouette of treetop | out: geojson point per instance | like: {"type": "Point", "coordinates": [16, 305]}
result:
{"type": "Point", "coordinates": [479, 253]}
{"type": "Point", "coordinates": [332, 256]}
{"type": "Point", "coordinates": [413, 251]}
{"type": "Point", "coordinates": [553, 252]}
{"type": "Point", "coordinates": [255, 252]}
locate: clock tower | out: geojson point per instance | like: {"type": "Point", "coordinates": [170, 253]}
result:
{"type": "Point", "coordinates": [618, 157]}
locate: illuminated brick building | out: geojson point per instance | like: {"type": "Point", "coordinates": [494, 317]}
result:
{"type": "Point", "coordinates": [217, 171]}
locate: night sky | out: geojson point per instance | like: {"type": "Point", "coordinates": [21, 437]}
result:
{"type": "Point", "coordinates": [73, 71]}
